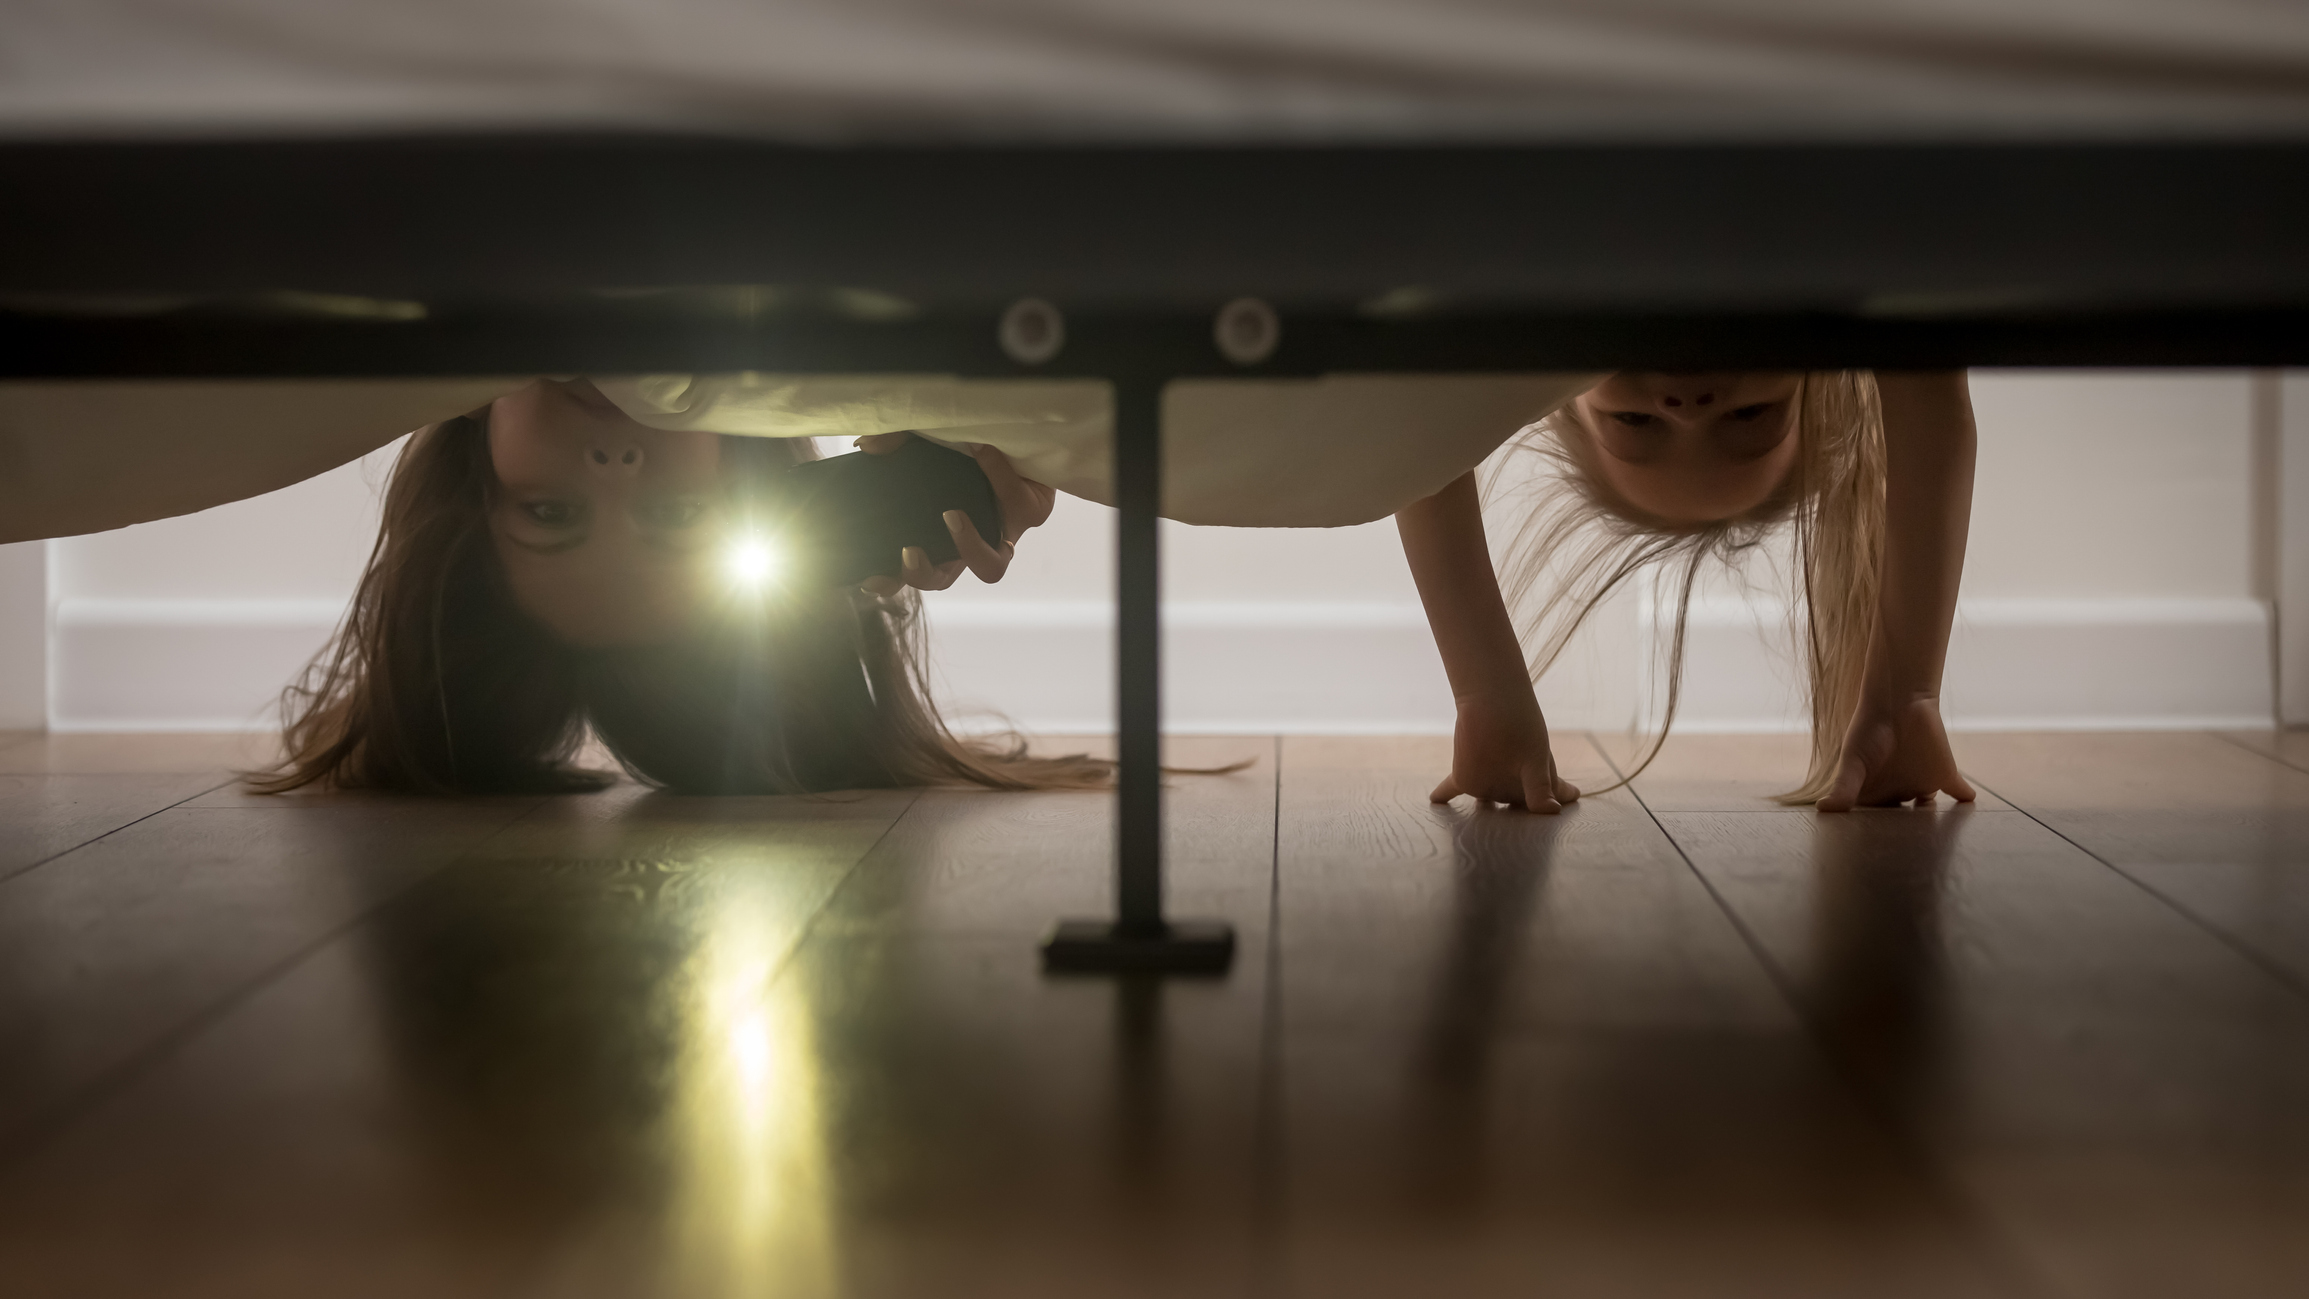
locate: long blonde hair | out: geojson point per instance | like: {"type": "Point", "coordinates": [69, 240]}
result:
{"type": "Point", "coordinates": [1589, 539]}
{"type": "Point", "coordinates": [437, 683]}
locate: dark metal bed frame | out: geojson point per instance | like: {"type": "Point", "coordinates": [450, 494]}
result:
{"type": "Point", "coordinates": [133, 259]}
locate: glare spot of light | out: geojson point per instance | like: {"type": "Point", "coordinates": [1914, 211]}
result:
{"type": "Point", "coordinates": [751, 562]}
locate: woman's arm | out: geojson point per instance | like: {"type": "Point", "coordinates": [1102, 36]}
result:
{"type": "Point", "coordinates": [1499, 748]}
{"type": "Point", "coordinates": [1896, 750]}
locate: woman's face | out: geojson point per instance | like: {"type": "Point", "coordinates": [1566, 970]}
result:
{"type": "Point", "coordinates": [1694, 448]}
{"type": "Point", "coordinates": [601, 523]}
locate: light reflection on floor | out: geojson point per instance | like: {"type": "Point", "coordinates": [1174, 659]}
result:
{"type": "Point", "coordinates": [749, 1213]}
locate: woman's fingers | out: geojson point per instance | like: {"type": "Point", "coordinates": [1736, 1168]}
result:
{"type": "Point", "coordinates": [914, 570]}
{"type": "Point", "coordinates": [1959, 788]}
{"type": "Point", "coordinates": [1024, 504]}
{"type": "Point", "coordinates": [1444, 792]}
{"type": "Point", "coordinates": [984, 560]}
{"type": "Point", "coordinates": [923, 575]}
{"type": "Point", "coordinates": [1565, 791]}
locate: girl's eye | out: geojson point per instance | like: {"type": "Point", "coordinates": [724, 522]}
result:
{"type": "Point", "coordinates": [1631, 418]}
{"type": "Point", "coordinates": [680, 512]}
{"type": "Point", "coordinates": [553, 514]}
{"type": "Point", "coordinates": [1749, 412]}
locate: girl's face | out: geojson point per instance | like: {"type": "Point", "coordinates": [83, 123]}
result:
{"type": "Point", "coordinates": [601, 523]}
{"type": "Point", "coordinates": [1694, 448]}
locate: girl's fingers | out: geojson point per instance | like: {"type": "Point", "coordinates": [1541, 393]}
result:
{"type": "Point", "coordinates": [1846, 791]}
{"type": "Point", "coordinates": [1960, 789]}
{"type": "Point", "coordinates": [1565, 791]}
{"type": "Point", "coordinates": [984, 560]}
{"type": "Point", "coordinates": [1444, 792]}
{"type": "Point", "coordinates": [1539, 792]}
{"type": "Point", "coordinates": [881, 444]}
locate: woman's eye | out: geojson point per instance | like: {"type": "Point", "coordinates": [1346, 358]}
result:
{"type": "Point", "coordinates": [553, 514]}
{"type": "Point", "coordinates": [1631, 418]}
{"type": "Point", "coordinates": [1755, 411]}
{"type": "Point", "coordinates": [681, 512]}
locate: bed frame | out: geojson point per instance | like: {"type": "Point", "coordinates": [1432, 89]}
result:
{"type": "Point", "coordinates": [492, 254]}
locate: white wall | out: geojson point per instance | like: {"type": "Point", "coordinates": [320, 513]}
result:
{"type": "Point", "coordinates": [2289, 575]}
{"type": "Point", "coordinates": [2112, 580]}
{"type": "Point", "coordinates": [196, 623]}
{"type": "Point", "coordinates": [23, 636]}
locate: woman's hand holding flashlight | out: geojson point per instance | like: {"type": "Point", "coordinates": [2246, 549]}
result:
{"type": "Point", "coordinates": [1024, 505]}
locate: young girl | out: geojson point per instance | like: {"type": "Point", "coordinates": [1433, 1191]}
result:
{"type": "Point", "coordinates": [544, 565]}
{"type": "Point", "coordinates": [1873, 474]}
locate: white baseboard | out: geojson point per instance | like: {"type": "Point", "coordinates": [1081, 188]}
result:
{"type": "Point", "coordinates": [2016, 664]}
{"type": "Point", "coordinates": [179, 665]}
{"type": "Point", "coordinates": [1304, 668]}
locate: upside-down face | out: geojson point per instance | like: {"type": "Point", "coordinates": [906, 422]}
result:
{"type": "Point", "coordinates": [1694, 448]}
{"type": "Point", "coordinates": [602, 524]}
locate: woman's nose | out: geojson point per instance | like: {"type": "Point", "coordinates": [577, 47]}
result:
{"type": "Point", "coordinates": [622, 460]}
{"type": "Point", "coordinates": [1688, 395]}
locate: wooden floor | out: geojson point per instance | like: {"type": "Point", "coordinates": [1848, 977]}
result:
{"type": "Point", "coordinates": [1674, 1042]}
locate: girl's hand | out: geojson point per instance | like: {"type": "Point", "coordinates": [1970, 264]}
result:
{"type": "Point", "coordinates": [1024, 505]}
{"type": "Point", "coordinates": [1896, 753]}
{"type": "Point", "coordinates": [1500, 754]}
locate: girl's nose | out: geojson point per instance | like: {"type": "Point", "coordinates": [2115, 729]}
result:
{"type": "Point", "coordinates": [621, 460]}
{"type": "Point", "coordinates": [1692, 396]}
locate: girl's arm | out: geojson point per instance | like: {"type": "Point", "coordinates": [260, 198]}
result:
{"type": "Point", "coordinates": [1499, 748]}
{"type": "Point", "coordinates": [1896, 750]}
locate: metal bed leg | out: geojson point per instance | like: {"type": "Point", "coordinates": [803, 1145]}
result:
{"type": "Point", "coordinates": [1139, 938]}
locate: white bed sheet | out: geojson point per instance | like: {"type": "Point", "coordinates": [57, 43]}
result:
{"type": "Point", "coordinates": [80, 457]}
{"type": "Point", "coordinates": [1193, 70]}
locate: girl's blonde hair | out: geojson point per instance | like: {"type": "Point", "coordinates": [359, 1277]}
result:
{"type": "Point", "coordinates": [1593, 539]}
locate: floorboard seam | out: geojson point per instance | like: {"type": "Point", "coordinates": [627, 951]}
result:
{"type": "Point", "coordinates": [198, 793]}
{"type": "Point", "coordinates": [809, 926]}
{"type": "Point", "coordinates": [53, 1120]}
{"type": "Point", "coordinates": [1267, 1151]}
{"type": "Point", "coordinates": [2002, 1250]}
{"type": "Point", "coordinates": [2279, 759]}
{"type": "Point", "coordinates": [2293, 982]}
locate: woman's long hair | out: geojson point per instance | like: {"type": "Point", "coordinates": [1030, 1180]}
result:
{"type": "Point", "coordinates": [437, 683]}
{"type": "Point", "coordinates": [1587, 540]}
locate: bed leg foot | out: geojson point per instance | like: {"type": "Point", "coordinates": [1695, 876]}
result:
{"type": "Point", "coordinates": [1167, 947]}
